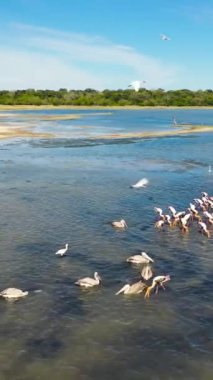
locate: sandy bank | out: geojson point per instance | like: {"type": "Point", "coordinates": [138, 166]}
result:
{"type": "Point", "coordinates": [8, 132]}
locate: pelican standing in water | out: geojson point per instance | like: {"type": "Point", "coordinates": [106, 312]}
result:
{"type": "Point", "coordinates": [136, 288]}
{"type": "Point", "coordinates": [204, 229]}
{"type": "Point", "coordinates": [13, 293]}
{"type": "Point", "coordinates": [120, 224]}
{"type": "Point", "coordinates": [157, 282]}
{"type": "Point", "coordinates": [89, 282]}
{"type": "Point", "coordinates": [62, 252]}
{"type": "Point", "coordinates": [143, 258]}
{"type": "Point", "coordinates": [142, 183]}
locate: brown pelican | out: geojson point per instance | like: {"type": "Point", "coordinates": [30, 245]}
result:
{"type": "Point", "coordinates": [143, 258]}
{"type": "Point", "coordinates": [146, 272]}
{"type": "Point", "coordinates": [61, 252]}
{"type": "Point", "coordinates": [13, 293]}
{"type": "Point", "coordinates": [204, 229]}
{"type": "Point", "coordinates": [136, 288]}
{"type": "Point", "coordinates": [88, 282]}
{"type": "Point", "coordinates": [120, 224]}
{"type": "Point", "coordinates": [156, 282]}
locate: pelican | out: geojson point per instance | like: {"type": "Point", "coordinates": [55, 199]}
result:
{"type": "Point", "coordinates": [183, 222]}
{"type": "Point", "coordinates": [62, 252]}
{"type": "Point", "coordinates": [156, 282]}
{"type": "Point", "coordinates": [136, 288]}
{"type": "Point", "coordinates": [146, 272]}
{"type": "Point", "coordinates": [142, 183]}
{"type": "Point", "coordinates": [13, 293]}
{"type": "Point", "coordinates": [159, 224]}
{"type": "Point", "coordinates": [120, 224]}
{"type": "Point", "coordinates": [204, 229]}
{"type": "Point", "coordinates": [164, 37]}
{"type": "Point", "coordinates": [136, 84]}
{"type": "Point", "coordinates": [208, 216]}
{"type": "Point", "coordinates": [88, 282]}
{"type": "Point", "coordinates": [159, 211]}
{"type": "Point", "coordinates": [143, 258]}
{"type": "Point", "coordinates": [176, 215]}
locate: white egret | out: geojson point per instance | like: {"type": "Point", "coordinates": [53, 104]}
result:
{"type": "Point", "coordinates": [61, 252]}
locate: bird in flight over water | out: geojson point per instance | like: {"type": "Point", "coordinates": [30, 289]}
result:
{"type": "Point", "coordinates": [164, 37]}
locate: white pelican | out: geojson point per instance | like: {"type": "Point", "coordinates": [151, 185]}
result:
{"type": "Point", "coordinates": [136, 288]}
{"type": "Point", "coordinates": [159, 211]}
{"type": "Point", "coordinates": [142, 183]}
{"type": "Point", "coordinates": [159, 224]}
{"type": "Point", "coordinates": [184, 222]}
{"type": "Point", "coordinates": [120, 224]}
{"type": "Point", "coordinates": [61, 252]}
{"type": "Point", "coordinates": [208, 216]}
{"type": "Point", "coordinates": [136, 85]}
{"type": "Point", "coordinates": [204, 229]}
{"type": "Point", "coordinates": [164, 37]}
{"type": "Point", "coordinates": [88, 282]}
{"type": "Point", "coordinates": [175, 215]}
{"type": "Point", "coordinates": [156, 282]}
{"type": "Point", "coordinates": [13, 293]}
{"type": "Point", "coordinates": [146, 272]}
{"type": "Point", "coordinates": [143, 258]}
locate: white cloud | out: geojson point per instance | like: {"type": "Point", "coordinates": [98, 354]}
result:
{"type": "Point", "coordinates": [44, 58]}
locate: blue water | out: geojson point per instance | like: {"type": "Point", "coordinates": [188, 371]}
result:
{"type": "Point", "coordinates": [68, 189]}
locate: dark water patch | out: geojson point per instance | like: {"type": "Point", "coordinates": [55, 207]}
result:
{"type": "Point", "coordinates": [46, 346]}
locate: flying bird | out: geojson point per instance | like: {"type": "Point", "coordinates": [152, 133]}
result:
{"type": "Point", "coordinates": [142, 183]}
{"type": "Point", "coordinates": [164, 37]}
{"type": "Point", "coordinates": [136, 85]}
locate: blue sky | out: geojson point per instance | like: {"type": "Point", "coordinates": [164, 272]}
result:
{"type": "Point", "coordinates": [102, 44]}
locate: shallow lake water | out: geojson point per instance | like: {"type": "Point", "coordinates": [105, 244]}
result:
{"type": "Point", "coordinates": [68, 190]}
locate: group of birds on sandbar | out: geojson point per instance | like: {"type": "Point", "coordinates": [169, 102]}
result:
{"type": "Point", "coordinates": [200, 212]}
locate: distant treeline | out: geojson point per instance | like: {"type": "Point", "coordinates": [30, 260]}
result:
{"type": "Point", "coordinates": [90, 97]}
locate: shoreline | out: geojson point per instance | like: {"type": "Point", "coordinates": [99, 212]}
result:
{"type": "Point", "coordinates": [50, 107]}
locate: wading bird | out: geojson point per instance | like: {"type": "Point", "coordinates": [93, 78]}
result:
{"type": "Point", "coordinates": [62, 252]}
{"type": "Point", "coordinates": [157, 282]}
{"type": "Point", "coordinates": [88, 282]}
{"type": "Point", "coordinates": [143, 258]}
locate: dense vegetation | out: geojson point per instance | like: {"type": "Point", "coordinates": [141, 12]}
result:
{"type": "Point", "coordinates": [90, 97]}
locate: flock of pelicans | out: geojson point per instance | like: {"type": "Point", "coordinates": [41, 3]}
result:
{"type": "Point", "coordinates": [201, 212]}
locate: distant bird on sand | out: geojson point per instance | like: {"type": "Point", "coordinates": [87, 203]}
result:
{"type": "Point", "coordinates": [62, 252]}
{"type": "Point", "coordinates": [88, 282]}
{"type": "Point", "coordinates": [136, 85]}
{"type": "Point", "coordinates": [136, 288]}
{"type": "Point", "coordinates": [142, 183]}
{"type": "Point", "coordinates": [164, 37]}
{"type": "Point", "coordinates": [143, 258]}
{"type": "Point", "coordinates": [119, 224]}
{"type": "Point", "coordinates": [156, 282]}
